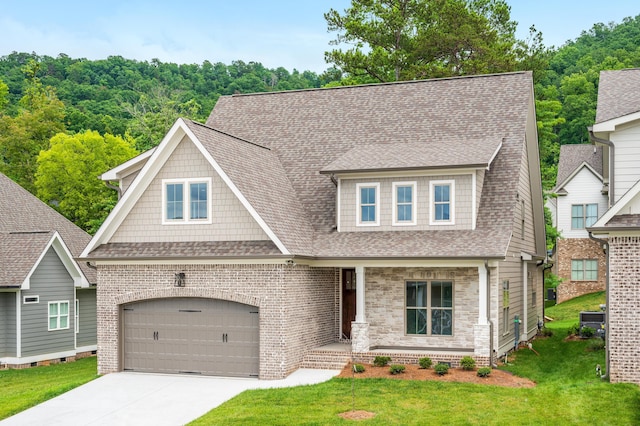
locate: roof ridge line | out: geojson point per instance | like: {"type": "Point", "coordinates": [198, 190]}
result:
{"type": "Point", "coordinates": [230, 135]}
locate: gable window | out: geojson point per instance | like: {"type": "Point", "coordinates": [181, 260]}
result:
{"type": "Point", "coordinates": [58, 315]}
{"type": "Point", "coordinates": [404, 211]}
{"type": "Point", "coordinates": [442, 205]}
{"type": "Point", "coordinates": [583, 215]}
{"type": "Point", "coordinates": [186, 201]}
{"type": "Point", "coordinates": [368, 195]}
{"type": "Point", "coordinates": [584, 270]}
{"type": "Point", "coordinates": [505, 307]}
{"type": "Point", "coordinates": [429, 307]}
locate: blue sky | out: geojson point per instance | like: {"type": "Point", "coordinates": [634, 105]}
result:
{"type": "Point", "coordinates": [287, 33]}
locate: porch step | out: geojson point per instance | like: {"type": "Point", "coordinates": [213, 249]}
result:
{"type": "Point", "coordinates": [326, 360]}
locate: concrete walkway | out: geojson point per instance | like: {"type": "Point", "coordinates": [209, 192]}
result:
{"type": "Point", "coordinates": [149, 399]}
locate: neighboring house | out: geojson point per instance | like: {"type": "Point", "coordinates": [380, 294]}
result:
{"type": "Point", "coordinates": [580, 262]}
{"type": "Point", "coordinates": [401, 218]}
{"type": "Point", "coordinates": [617, 130]}
{"type": "Point", "coordinates": [47, 299]}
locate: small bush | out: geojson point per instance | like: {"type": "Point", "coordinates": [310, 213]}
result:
{"type": "Point", "coordinates": [587, 332]}
{"type": "Point", "coordinates": [396, 369]}
{"type": "Point", "coordinates": [381, 361]}
{"type": "Point", "coordinates": [546, 332]}
{"type": "Point", "coordinates": [358, 368]}
{"type": "Point", "coordinates": [467, 363]}
{"type": "Point", "coordinates": [595, 345]}
{"type": "Point", "coordinates": [425, 362]}
{"type": "Point", "coordinates": [441, 368]}
{"type": "Point", "coordinates": [484, 371]}
{"type": "Point", "coordinates": [573, 330]}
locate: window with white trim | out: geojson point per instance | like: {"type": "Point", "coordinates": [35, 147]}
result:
{"type": "Point", "coordinates": [584, 270]}
{"type": "Point", "coordinates": [429, 307]}
{"type": "Point", "coordinates": [505, 307]}
{"type": "Point", "coordinates": [583, 215]}
{"type": "Point", "coordinates": [186, 201]}
{"type": "Point", "coordinates": [442, 197]}
{"type": "Point", "coordinates": [77, 316]}
{"type": "Point", "coordinates": [58, 315]}
{"type": "Point", "coordinates": [404, 203]}
{"type": "Point", "coordinates": [368, 201]}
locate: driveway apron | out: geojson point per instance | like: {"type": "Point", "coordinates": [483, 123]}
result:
{"type": "Point", "coordinates": [149, 399]}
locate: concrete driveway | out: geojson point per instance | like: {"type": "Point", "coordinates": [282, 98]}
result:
{"type": "Point", "coordinates": [149, 399]}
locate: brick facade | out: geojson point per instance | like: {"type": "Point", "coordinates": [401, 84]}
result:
{"type": "Point", "coordinates": [298, 305]}
{"type": "Point", "coordinates": [623, 309]}
{"type": "Point", "coordinates": [579, 248]}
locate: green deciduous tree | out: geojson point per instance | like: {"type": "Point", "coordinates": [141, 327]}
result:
{"type": "Point", "coordinates": [67, 175]}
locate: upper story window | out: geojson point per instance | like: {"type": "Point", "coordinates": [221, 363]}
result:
{"type": "Point", "coordinates": [442, 204]}
{"type": "Point", "coordinates": [404, 210]}
{"type": "Point", "coordinates": [186, 201]}
{"type": "Point", "coordinates": [583, 215]}
{"type": "Point", "coordinates": [368, 195]}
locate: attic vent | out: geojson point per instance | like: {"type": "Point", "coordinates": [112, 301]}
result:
{"type": "Point", "coordinates": [28, 300]}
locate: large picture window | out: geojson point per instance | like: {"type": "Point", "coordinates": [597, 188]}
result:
{"type": "Point", "coordinates": [58, 315]}
{"type": "Point", "coordinates": [368, 200]}
{"type": "Point", "coordinates": [186, 201]}
{"type": "Point", "coordinates": [404, 202]}
{"type": "Point", "coordinates": [583, 215]}
{"type": "Point", "coordinates": [584, 270]}
{"type": "Point", "coordinates": [442, 197]}
{"type": "Point", "coordinates": [429, 308]}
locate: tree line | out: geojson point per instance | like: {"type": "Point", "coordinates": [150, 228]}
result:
{"type": "Point", "coordinates": [102, 112]}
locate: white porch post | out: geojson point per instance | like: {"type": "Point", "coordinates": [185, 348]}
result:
{"type": "Point", "coordinates": [360, 327]}
{"type": "Point", "coordinates": [482, 329]}
{"type": "Point", "coordinates": [483, 314]}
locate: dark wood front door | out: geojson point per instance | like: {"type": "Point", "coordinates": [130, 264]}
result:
{"type": "Point", "coordinates": [348, 301]}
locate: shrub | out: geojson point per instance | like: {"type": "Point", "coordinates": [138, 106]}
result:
{"type": "Point", "coordinates": [396, 369]}
{"type": "Point", "coordinates": [484, 371]}
{"type": "Point", "coordinates": [468, 363]}
{"type": "Point", "coordinates": [441, 368]}
{"type": "Point", "coordinates": [425, 362]}
{"type": "Point", "coordinates": [546, 332]}
{"type": "Point", "coordinates": [358, 368]}
{"type": "Point", "coordinates": [587, 332]}
{"type": "Point", "coordinates": [573, 330]}
{"type": "Point", "coordinates": [595, 345]}
{"type": "Point", "coordinates": [381, 361]}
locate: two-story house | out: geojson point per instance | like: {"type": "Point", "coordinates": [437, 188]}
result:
{"type": "Point", "coordinates": [47, 299]}
{"type": "Point", "coordinates": [401, 218]}
{"type": "Point", "coordinates": [580, 200]}
{"type": "Point", "coordinates": [617, 130]}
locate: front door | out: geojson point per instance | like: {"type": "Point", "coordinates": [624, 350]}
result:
{"type": "Point", "coordinates": [348, 301]}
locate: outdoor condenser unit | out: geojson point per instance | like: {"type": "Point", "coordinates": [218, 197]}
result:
{"type": "Point", "coordinates": [595, 320]}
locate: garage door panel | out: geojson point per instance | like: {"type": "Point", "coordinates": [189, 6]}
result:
{"type": "Point", "coordinates": [194, 335]}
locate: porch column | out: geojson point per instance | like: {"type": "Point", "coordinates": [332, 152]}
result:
{"type": "Point", "coordinates": [482, 329]}
{"type": "Point", "coordinates": [483, 286]}
{"type": "Point", "coordinates": [360, 327]}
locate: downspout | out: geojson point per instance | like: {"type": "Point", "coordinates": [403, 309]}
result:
{"type": "Point", "coordinates": [605, 245]}
{"type": "Point", "coordinates": [491, 357]}
{"type": "Point", "coordinates": [117, 188]}
{"type": "Point", "coordinates": [612, 149]}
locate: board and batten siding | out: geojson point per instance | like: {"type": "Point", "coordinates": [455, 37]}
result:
{"type": "Point", "coordinates": [462, 203]}
{"type": "Point", "coordinates": [86, 335]}
{"type": "Point", "coordinates": [627, 157]}
{"type": "Point", "coordinates": [8, 323]}
{"type": "Point", "coordinates": [52, 283]}
{"type": "Point", "coordinates": [584, 188]}
{"type": "Point", "coordinates": [230, 219]}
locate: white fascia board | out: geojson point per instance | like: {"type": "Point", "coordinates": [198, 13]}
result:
{"type": "Point", "coordinates": [128, 167]}
{"type": "Point", "coordinates": [617, 207]}
{"type": "Point", "coordinates": [65, 256]}
{"type": "Point", "coordinates": [252, 211]}
{"type": "Point", "coordinates": [610, 125]}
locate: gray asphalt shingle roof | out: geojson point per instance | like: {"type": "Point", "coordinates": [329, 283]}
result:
{"type": "Point", "coordinates": [618, 94]}
{"type": "Point", "coordinates": [25, 222]}
{"type": "Point", "coordinates": [573, 156]}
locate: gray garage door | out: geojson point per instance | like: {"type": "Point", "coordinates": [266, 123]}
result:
{"type": "Point", "coordinates": [191, 335]}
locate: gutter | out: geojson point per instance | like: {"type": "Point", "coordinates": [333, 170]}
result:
{"type": "Point", "coordinates": [594, 138]}
{"type": "Point", "coordinates": [605, 246]}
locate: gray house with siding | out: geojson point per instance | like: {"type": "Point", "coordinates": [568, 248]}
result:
{"type": "Point", "coordinates": [307, 227]}
{"type": "Point", "coordinates": [47, 299]}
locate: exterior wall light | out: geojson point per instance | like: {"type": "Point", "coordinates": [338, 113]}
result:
{"type": "Point", "coordinates": [179, 279]}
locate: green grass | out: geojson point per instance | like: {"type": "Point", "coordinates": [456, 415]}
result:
{"type": "Point", "coordinates": [22, 389]}
{"type": "Point", "coordinates": [567, 313]}
{"type": "Point", "coordinates": [568, 392]}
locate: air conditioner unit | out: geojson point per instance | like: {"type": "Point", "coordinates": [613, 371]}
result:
{"type": "Point", "coordinates": [595, 320]}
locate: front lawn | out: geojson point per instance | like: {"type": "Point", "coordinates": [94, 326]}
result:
{"type": "Point", "coordinates": [22, 389]}
{"type": "Point", "coordinates": [568, 391]}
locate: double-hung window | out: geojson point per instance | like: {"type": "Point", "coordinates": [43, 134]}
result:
{"type": "Point", "coordinates": [442, 202]}
{"type": "Point", "coordinates": [186, 201]}
{"type": "Point", "coordinates": [404, 202]}
{"type": "Point", "coordinates": [368, 201]}
{"type": "Point", "coordinates": [429, 307]}
{"type": "Point", "coordinates": [584, 270]}
{"type": "Point", "coordinates": [58, 315]}
{"type": "Point", "coordinates": [583, 215]}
